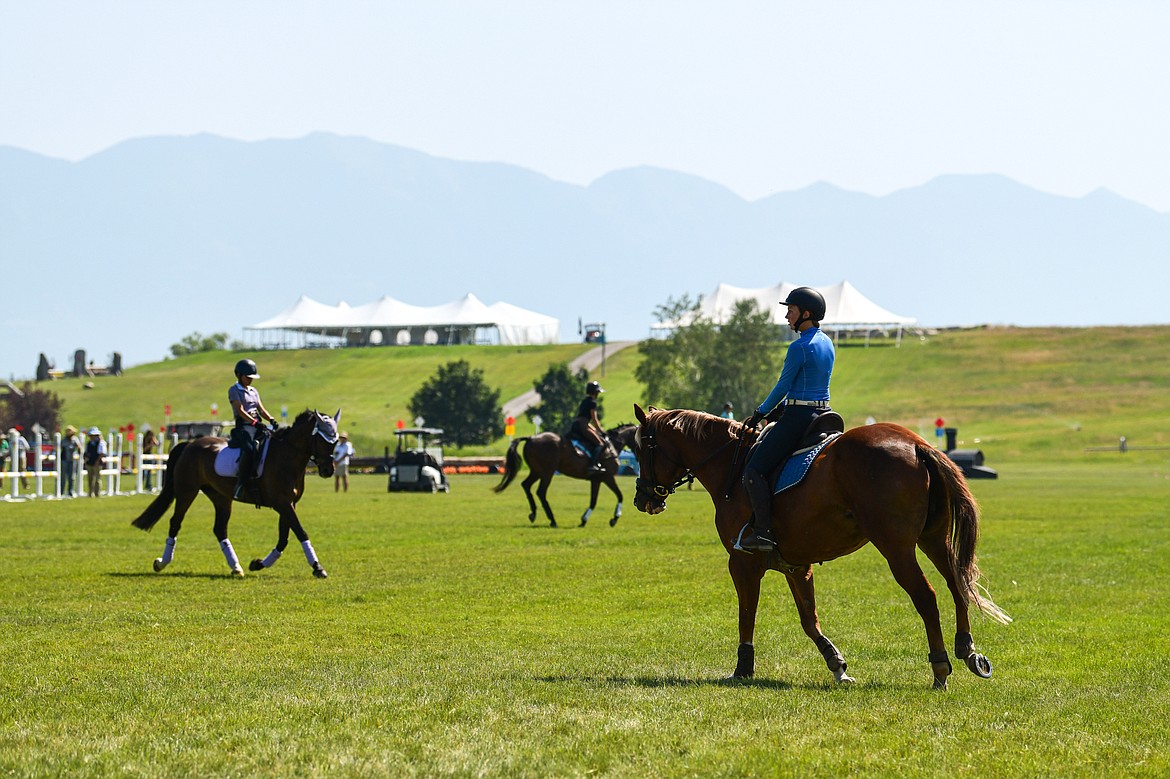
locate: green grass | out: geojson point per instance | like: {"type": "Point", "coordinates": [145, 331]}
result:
{"type": "Point", "coordinates": [453, 638]}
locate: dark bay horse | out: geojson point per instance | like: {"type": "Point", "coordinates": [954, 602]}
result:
{"type": "Point", "coordinates": [878, 484]}
{"type": "Point", "coordinates": [191, 470]}
{"type": "Point", "coordinates": [548, 453]}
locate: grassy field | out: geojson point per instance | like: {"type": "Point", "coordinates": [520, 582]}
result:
{"type": "Point", "coordinates": [453, 638]}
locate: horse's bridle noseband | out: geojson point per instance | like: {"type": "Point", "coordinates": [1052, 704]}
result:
{"type": "Point", "coordinates": [649, 439]}
{"type": "Point", "coordinates": [317, 430]}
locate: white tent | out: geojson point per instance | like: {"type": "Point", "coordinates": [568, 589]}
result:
{"type": "Point", "coordinates": [846, 307]}
{"type": "Point", "coordinates": [390, 321]}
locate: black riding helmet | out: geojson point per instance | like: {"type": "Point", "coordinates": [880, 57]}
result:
{"type": "Point", "coordinates": [593, 387]}
{"type": "Point", "coordinates": [247, 368]}
{"type": "Point", "coordinates": [807, 299]}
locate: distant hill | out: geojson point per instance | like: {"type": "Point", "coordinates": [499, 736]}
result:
{"type": "Point", "coordinates": [135, 247]}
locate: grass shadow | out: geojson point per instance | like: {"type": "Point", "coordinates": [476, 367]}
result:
{"type": "Point", "coordinates": [174, 575]}
{"type": "Point", "coordinates": [652, 682]}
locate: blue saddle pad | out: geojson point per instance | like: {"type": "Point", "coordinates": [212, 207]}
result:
{"type": "Point", "coordinates": [580, 447]}
{"type": "Point", "coordinates": [797, 466]}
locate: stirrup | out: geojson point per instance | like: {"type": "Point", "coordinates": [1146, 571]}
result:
{"type": "Point", "coordinates": [739, 547]}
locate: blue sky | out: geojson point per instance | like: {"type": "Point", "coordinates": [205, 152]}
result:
{"type": "Point", "coordinates": [762, 97]}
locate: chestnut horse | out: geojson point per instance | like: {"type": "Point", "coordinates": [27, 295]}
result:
{"type": "Point", "coordinates": [191, 470]}
{"type": "Point", "coordinates": [548, 453]}
{"type": "Point", "coordinates": [878, 484]}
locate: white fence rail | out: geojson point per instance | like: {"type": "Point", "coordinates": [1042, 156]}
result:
{"type": "Point", "coordinates": [38, 471]}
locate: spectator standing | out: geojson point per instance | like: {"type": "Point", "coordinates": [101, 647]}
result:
{"type": "Point", "coordinates": [95, 452]}
{"type": "Point", "coordinates": [341, 454]}
{"type": "Point", "coordinates": [5, 451]}
{"type": "Point", "coordinates": [69, 455]}
{"type": "Point", "coordinates": [21, 454]}
{"type": "Point", "coordinates": [149, 445]}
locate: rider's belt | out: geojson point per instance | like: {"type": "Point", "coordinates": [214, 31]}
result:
{"type": "Point", "coordinates": [813, 403]}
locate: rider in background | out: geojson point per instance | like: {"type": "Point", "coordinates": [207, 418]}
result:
{"type": "Point", "coordinates": [249, 413]}
{"type": "Point", "coordinates": [587, 428]}
{"type": "Point", "coordinates": [804, 389]}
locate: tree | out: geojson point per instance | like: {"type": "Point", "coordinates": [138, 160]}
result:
{"type": "Point", "coordinates": [746, 361]}
{"type": "Point", "coordinates": [457, 400]}
{"type": "Point", "coordinates": [673, 367]}
{"type": "Point", "coordinates": [702, 365]}
{"type": "Point", "coordinates": [31, 407]}
{"type": "Point", "coordinates": [197, 342]}
{"type": "Point", "coordinates": [560, 394]}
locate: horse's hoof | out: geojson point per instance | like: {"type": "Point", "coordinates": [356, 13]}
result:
{"type": "Point", "coordinates": [237, 572]}
{"type": "Point", "coordinates": [319, 572]}
{"type": "Point", "coordinates": [256, 565]}
{"type": "Point", "coordinates": [940, 684]}
{"type": "Point", "coordinates": [979, 665]}
{"type": "Point", "coordinates": [159, 565]}
{"type": "Point", "coordinates": [613, 521]}
{"type": "Point", "coordinates": [583, 523]}
{"type": "Point", "coordinates": [552, 523]}
{"type": "Point", "coordinates": [532, 517]}
{"type": "Point", "coordinates": [844, 678]}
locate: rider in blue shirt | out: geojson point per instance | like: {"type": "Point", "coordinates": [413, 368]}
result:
{"type": "Point", "coordinates": [803, 388]}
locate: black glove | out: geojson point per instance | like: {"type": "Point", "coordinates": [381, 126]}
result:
{"type": "Point", "coordinates": [754, 419]}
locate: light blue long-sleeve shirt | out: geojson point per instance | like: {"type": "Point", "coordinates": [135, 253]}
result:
{"type": "Point", "coordinates": [808, 366]}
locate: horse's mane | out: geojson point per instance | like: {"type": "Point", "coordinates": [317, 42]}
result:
{"type": "Point", "coordinates": [696, 424]}
{"type": "Point", "coordinates": [286, 431]}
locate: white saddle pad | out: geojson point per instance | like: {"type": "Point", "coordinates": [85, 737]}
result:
{"type": "Point", "coordinates": [227, 461]}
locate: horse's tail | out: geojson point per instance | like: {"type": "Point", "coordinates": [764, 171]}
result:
{"type": "Point", "coordinates": [511, 465]}
{"type": "Point", "coordinates": [950, 494]}
{"type": "Point", "coordinates": [147, 519]}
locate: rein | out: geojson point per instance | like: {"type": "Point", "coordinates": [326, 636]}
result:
{"type": "Point", "coordinates": [650, 439]}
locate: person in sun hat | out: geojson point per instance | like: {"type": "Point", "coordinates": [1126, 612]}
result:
{"type": "Point", "coordinates": [69, 455]}
{"type": "Point", "coordinates": [803, 388]}
{"type": "Point", "coordinates": [341, 454]}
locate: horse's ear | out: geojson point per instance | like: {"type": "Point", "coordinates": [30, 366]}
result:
{"type": "Point", "coordinates": [640, 414]}
{"type": "Point", "coordinates": [337, 416]}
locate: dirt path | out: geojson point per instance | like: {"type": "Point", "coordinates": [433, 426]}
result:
{"type": "Point", "coordinates": [589, 361]}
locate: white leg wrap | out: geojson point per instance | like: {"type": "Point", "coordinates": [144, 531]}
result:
{"type": "Point", "coordinates": [271, 559]}
{"type": "Point", "coordinates": [618, 511]}
{"type": "Point", "coordinates": [229, 554]}
{"type": "Point", "coordinates": [310, 554]}
{"type": "Point", "coordinates": [588, 513]}
{"type": "Point", "coordinates": [169, 551]}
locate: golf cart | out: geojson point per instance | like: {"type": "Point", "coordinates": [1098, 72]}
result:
{"type": "Point", "coordinates": [418, 461]}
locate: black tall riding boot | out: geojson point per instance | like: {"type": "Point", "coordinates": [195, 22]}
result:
{"type": "Point", "coordinates": [760, 494]}
{"type": "Point", "coordinates": [595, 464]}
{"type": "Point", "coordinates": [245, 474]}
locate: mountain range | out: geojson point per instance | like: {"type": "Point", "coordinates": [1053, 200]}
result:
{"type": "Point", "coordinates": [133, 248]}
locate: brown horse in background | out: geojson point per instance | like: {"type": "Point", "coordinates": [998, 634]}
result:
{"type": "Point", "coordinates": [191, 470]}
{"type": "Point", "coordinates": [548, 453]}
{"type": "Point", "coordinates": [878, 484]}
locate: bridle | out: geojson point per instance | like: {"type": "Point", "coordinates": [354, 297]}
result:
{"type": "Point", "coordinates": [648, 440]}
{"type": "Point", "coordinates": [325, 434]}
